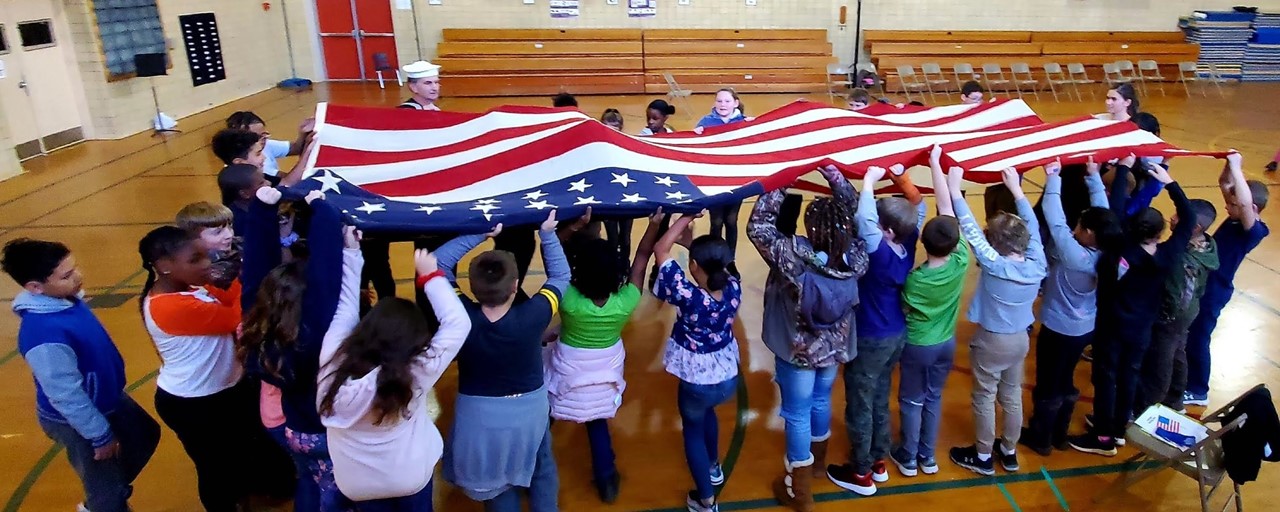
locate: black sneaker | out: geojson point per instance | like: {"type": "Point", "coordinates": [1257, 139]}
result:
{"type": "Point", "coordinates": [1088, 421]}
{"type": "Point", "coordinates": [1027, 440]}
{"type": "Point", "coordinates": [696, 505]}
{"type": "Point", "coordinates": [967, 457]}
{"type": "Point", "coordinates": [1007, 461]}
{"type": "Point", "coordinates": [1093, 444]}
{"type": "Point", "coordinates": [1271, 167]}
{"type": "Point", "coordinates": [608, 489]}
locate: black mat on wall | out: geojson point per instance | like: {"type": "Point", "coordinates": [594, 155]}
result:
{"type": "Point", "coordinates": [204, 48]}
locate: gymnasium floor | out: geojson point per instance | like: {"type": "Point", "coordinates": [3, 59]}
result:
{"type": "Point", "coordinates": [101, 197]}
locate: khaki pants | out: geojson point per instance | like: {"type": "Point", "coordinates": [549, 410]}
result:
{"type": "Point", "coordinates": [997, 361]}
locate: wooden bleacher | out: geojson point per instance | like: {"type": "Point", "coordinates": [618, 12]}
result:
{"type": "Point", "coordinates": [892, 48]}
{"type": "Point", "coordinates": [541, 62]}
{"type": "Point", "coordinates": [537, 62]}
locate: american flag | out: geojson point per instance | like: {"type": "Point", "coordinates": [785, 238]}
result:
{"type": "Point", "coordinates": [407, 171]}
{"type": "Point", "coordinates": [1168, 425]}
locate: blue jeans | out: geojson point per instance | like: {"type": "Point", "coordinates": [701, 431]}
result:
{"type": "Point", "coordinates": [419, 502]}
{"type": "Point", "coordinates": [923, 375]}
{"type": "Point", "coordinates": [544, 488]}
{"type": "Point", "coordinates": [806, 405]}
{"type": "Point", "coordinates": [108, 483]}
{"type": "Point", "coordinates": [701, 429]}
{"type": "Point", "coordinates": [866, 389]}
{"type": "Point", "coordinates": [1198, 336]}
{"type": "Point", "coordinates": [602, 456]}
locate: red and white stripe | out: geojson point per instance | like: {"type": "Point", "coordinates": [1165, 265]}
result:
{"type": "Point", "coordinates": [447, 157]}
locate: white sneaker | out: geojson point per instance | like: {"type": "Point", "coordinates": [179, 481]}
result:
{"type": "Point", "coordinates": [81, 508]}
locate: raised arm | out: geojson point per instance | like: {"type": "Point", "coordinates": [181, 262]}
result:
{"type": "Point", "coordinates": [644, 251]}
{"type": "Point", "coordinates": [1170, 250]}
{"type": "Point", "coordinates": [455, 323]}
{"type": "Point", "coordinates": [841, 189]}
{"type": "Point", "coordinates": [449, 254]}
{"type": "Point", "coordinates": [662, 249]}
{"type": "Point", "coordinates": [866, 215]}
{"type": "Point", "coordinates": [1013, 181]}
{"type": "Point", "coordinates": [1237, 190]}
{"type": "Point", "coordinates": [1120, 187]}
{"type": "Point", "coordinates": [347, 313]}
{"type": "Point", "coordinates": [762, 229]}
{"type": "Point", "coordinates": [1069, 252]}
{"type": "Point", "coordinates": [261, 244]}
{"type": "Point", "coordinates": [1093, 182]}
{"type": "Point", "coordinates": [326, 263]}
{"type": "Point", "coordinates": [940, 185]}
{"type": "Point", "coordinates": [969, 228]}
{"type": "Point", "coordinates": [553, 259]}
{"type": "Point", "coordinates": [898, 175]}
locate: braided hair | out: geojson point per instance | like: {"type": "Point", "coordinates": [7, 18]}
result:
{"type": "Point", "coordinates": [831, 229]}
{"type": "Point", "coordinates": [161, 242]}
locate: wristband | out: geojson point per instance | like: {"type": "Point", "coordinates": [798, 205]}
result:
{"type": "Point", "coordinates": [422, 280]}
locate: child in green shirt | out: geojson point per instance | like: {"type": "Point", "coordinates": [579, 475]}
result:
{"type": "Point", "coordinates": [931, 297]}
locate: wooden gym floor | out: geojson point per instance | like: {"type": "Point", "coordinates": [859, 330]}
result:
{"type": "Point", "coordinates": [101, 197]}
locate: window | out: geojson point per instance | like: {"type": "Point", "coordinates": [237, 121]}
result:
{"type": "Point", "coordinates": [4, 42]}
{"type": "Point", "coordinates": [127, 28]}
{"type": "Point", "coordinates": [35, 34]}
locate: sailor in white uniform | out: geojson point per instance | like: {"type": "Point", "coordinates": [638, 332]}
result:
{"type": "Point", "coordinates": [424, 82]}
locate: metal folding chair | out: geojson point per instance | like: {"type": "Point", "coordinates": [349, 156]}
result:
{"type": "Point", "coordinates": [1202, 462]}
{"type": "Point", "coordinates": [1149, 70]}
{"type": "Point", "coordinates": [1054, 75]}
{"type": "Point", "coordinates": [678, 94]}
{"type": "Point", "coordinates": [1111, 73]}
{"type": "Point", "coordinates": [911, 81]}
{"type": "Point", "coordinates": [833, 84]}
{"type": "Point", "coordinates": [1079, 76]}
{"type": "Point", "coordinates": [1020, 73]}
{"type": "Point", "coordinates": [1126, 70]}
{"type": "Point", "coordinates": [933, 76]}
{"type": "Point", "coordinates": [994, 70]}
{"type": "Point", "coordinates": [382, 63]}
{"type": "Point", "coordinates": [964, 73]}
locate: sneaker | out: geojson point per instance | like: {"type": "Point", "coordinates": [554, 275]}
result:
{"type": "Point", "coordinates": [717, 474]}
{"type": "Point", "coordinates": [880, 472]}
{"type": "Point", "coordinates": [1093, 444]}
{"type": "Point", "coordinates": [1008, 461]}
{"type": "Point", "coordinates": [81, 508]}
{"type": "Point", "coordinates": [1088, 421]}
{"type": "Point", "coordinates": [907, 468]}
{"type": "Point", "coordinates": [1190, 398]}
{"type": "Point", "coordinates": [846, 478]}
{"type": "Point", "coordinates": [967, 457]}
{"type": "Point", "coordinates": [928, 465]}
{"type": "Point", "coordinates": [696, 505]}
{"type": "Point", "coordinates": [1271, 167]}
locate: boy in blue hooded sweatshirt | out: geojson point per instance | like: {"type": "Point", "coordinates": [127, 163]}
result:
{"type": "Point", "coordinates": [79, 375]}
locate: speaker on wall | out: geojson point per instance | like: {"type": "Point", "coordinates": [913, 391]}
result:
{"type": "Point", "coordinates": [150, 64]}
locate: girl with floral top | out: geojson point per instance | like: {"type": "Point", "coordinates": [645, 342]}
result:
{"type": "Point", "coordinates": [702, 351]}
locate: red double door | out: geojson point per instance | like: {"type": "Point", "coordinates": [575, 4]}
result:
{"type": "Point", "coordinates": [351, 32]}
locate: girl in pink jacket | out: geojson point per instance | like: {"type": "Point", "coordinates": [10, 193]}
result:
{"type": "Point", "coordinates": [374, 377]}
{"type": "Point", "coordinates": [584, 369]}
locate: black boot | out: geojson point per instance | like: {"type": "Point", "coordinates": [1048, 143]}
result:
{"type": "Point", "coordinates": [1063, 422]}
{"type": "Point", "coordinates": [1043, 417]}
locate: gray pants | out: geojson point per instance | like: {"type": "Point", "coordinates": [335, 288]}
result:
{"type": "Point", "coordinates": [997, 361]}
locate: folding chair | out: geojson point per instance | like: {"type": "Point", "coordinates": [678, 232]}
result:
{"type": "Point", "coordinates": [832, 85]}
{"type": "Point", "coordinates": [1020, 73]}
{"type": "Point", "coordinates": [933, 76]}
{"type": "Point", "coordinates": [1215, 76]}
{"type": "Point", "coordinates": [1079, 76]}
{"type": "Point", "coordinates": [869, 68]}
{"type": "Point", "coordinates": [1111, 73]}
{"type": "Point", "coordinates": [911, 81]}
{"type": "Point", "coordinates": [1187, 74]}
{"type": "Point", "coordinates": [1126, 70]}
{"type": "Point", "coordinates": [1148, 70]}
{"type": "Point", "coordinates": [964, 73]}
{"type": "Point", "coordinates": [990, 70]}
{"type": "Point", "coordinates": [1056, 77]}
{"type": "Point", "coordinates": [1202, 462]}
{"type": "Point", "coordinates": [382, 63]}
{"type": "Point", "coordinates": [679, 94]}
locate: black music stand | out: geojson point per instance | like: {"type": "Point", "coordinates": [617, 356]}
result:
{"type": "Point", "coordinates": [152, 65]}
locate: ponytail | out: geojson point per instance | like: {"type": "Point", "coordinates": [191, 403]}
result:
{"type": "Point", "coordinates": [160, 243]}
{"type": "Point", "coordinates": [713, 256]}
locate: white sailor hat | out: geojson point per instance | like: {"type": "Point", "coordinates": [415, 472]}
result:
{"type": "Point", "coordinates": [421, 69]}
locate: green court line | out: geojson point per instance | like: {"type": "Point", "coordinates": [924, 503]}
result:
{"type": "Point", "coordinates": [947, 485]}
{"type": "Point", "coordinates": [739, 432]}
{"type": "Point", "coordinates": [1012, 502]}
{"type": "Point", "coordinates": [1054, 487]}
{"type": "Point", "coordinates": [29, 481]}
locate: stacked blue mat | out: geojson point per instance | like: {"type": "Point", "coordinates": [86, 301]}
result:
{"type": "Point", "coordinates": [1223, 37]}
{"type": "Point", "coordinates": [1262, 56]}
